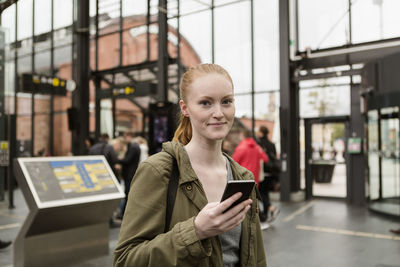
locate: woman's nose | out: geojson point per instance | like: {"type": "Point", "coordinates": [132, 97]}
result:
{"type": "Point", "coordinates": [217, 113]}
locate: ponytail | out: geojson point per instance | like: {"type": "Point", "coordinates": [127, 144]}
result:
{"type": "Point", "coordinates": [183, 133]}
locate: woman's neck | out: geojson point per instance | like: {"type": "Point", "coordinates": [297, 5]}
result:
{"type": "Point", "coordinates": [207, 153]}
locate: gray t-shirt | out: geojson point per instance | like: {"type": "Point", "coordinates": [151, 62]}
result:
{"type": "Point", "coordinates": [230, 240]}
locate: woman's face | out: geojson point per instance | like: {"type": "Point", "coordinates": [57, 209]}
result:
{"type": "Point", "coordinates": [210, 107]}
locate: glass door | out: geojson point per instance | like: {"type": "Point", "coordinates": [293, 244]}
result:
{"type": "Point", "coordinates": [328, 164]}
{"type": "Point", "coordinates": [390, 153]}
{"type": "Point", "coordinates": [374, 162]}
{"type": "Point", "coordinates": [384, 160]}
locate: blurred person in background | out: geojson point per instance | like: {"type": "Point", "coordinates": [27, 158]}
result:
{"type": "Point", "coordinates": [144, 149]}
{"type": "Point", "coordinates": [271, 176]}
{"type": "Point", "coordinates": [249, 154]}
{"type": "Point", "coordinates": [104, 148]}
{"type": "Point", "coordinates": [129, 164]}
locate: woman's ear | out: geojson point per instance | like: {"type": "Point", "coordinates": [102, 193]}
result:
{"type": "Point", "coordinates": [184, 108]}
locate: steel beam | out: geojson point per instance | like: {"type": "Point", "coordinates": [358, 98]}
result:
{"type": "Point", "coordinates": [80, 97]}
{"type": "Point", "coordinates": [162, 92]}
{"type": "Point", "coordinates": [349, 54]}
{"type": "Point", "coordinates": [289, 110]}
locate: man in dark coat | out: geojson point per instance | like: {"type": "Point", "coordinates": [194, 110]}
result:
{"type": "Point", "coordinates": [271, 172]}
{"type": "Point", "coordinates": [103, 148]}
{"type": "Point", "coordinates": [129, 163]}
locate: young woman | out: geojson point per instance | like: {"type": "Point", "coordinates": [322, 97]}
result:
{"type": "Point", "coordinates": [200, 232]}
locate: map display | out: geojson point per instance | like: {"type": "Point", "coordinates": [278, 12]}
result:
{"type": "Point", "coordinates": [69, 178]}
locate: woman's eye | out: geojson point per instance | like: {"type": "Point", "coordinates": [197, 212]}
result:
{"type": "Point", "coordinates": [227, 101]}
{"type": "Point", "coordinates": [205, 103]}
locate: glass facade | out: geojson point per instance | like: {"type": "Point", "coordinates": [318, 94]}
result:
{"type": "Point", "coordinates": [242, 36]}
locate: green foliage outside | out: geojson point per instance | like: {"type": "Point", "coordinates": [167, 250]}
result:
{"type": "Point", "coordinates": [337, 132]}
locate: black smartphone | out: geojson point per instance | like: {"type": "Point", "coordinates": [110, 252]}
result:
{"type": "Point", "coordinates": [234, 186]}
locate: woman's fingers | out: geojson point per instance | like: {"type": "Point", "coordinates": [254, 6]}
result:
{"type": "Point", "coordinates": [228, 202]}
{"type": "Point", "coordinates": [238, 208]}
{"type": "Point", "coordinates": [236, 220]}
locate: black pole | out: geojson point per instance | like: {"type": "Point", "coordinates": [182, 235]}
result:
{"type": "Point", "coordinates": [3, 116]}
{"type": "Point", "coordinates": [162, 94]}
{"type": "Point", "coordinates": [212, 33]}
{"type": "Point", "coordinates": [96, 56]}
{"type": "Point", "coordinates": [148, 31]}
{"type": "Point", "coordinates": [13, 121]}
{"type": "Point", "coordinates": [120, 34]}
{"type": "Point", "coordinates": [51, 141]}
{"type": "Point", "coordinates": [98, 108]}
{"type": "Point", "coordinates": [252, 64]}
{"type": "Point", "coordinates": [33, 93]}
{"type": "Point", "coordinates": [179, 48]}
{"type": "Point", "coordinates": [113, 108]}
{"type": "Point", "coordinates": [290, 148]}
{"type": "Point", "coordinates": [80, 97]}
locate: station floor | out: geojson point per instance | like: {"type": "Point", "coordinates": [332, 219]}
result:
{"type": "Point", "coordinates": [315, 233]}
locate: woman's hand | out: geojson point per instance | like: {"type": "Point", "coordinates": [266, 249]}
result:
{"type": "Point", "coordinates": [212, 220]}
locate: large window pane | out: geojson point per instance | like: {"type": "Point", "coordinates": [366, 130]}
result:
{"type": "Point", "coordinates": [108, 51]}
{"type": "Point", "coordinates": [243, 106]}
{"type": "Point", "coordinates": [24, 18]}
{"type": "Point", "coordinates": [189, 6]}
{"type": "Point", "coordinates": [8, 22]}
{"type": "Point", "coordinates": [42, 16]}
{"type": "Point", "coordinates": [196, 30]}
{"type": "Point", "coordinates": [134, 13]}
{"type": "Point", "coordinates": [24, 47]}
{"type": "Point", "coordinates": [233, 44]}
{"type": "Point", "coordinates": [266, 45]}
{"type": "Point", "coordinates": [135, 45]}
{"type": "Point", "coordinates": [375, 20]}
{"type": "Point", "coordinates": [62, 59]}
{"type": "Point", "coordinates": [62, 13]}
{"type": "Point", "coordinates": [327, 101]}
{"type": "Point", "coordinates": [266, 106]}
{"type": "Point", "coordinates": [9, 76]}
{"type": "Point", "coordinates": [24, 64]}
{"type": "Point", "coordinates": [63, 37]}
{"type": "Point", "coordinates": [42, 63]}
{"type": "Point", "coordinates": [131, 8]}
{"type": "Point", "coordinates": [222, 2]}
{"type": "Point", "coordinates": [322, 24]}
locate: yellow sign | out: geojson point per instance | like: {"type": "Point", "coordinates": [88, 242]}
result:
{"type": "Point", "coordinates": [129, 90]}
{"type": "Point", "coordinates": [56, 82]}
{"type": "Point", "coordinates": [3, 145]}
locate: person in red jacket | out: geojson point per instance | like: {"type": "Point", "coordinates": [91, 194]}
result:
{"type": "Point", "coordinates": [249, 154]}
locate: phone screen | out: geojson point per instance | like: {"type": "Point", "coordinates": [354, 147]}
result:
{"type": "Point", "coordinates": [232, 187]}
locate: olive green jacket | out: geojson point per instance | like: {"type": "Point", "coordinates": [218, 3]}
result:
{"type": "Point", "coordinates": [142, 241]}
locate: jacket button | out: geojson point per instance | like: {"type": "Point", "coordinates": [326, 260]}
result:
{"type": "Point", "coordinates": [189, 187]}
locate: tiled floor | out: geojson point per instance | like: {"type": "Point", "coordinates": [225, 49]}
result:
{"type": "Point", "coordinates": [307, 234]}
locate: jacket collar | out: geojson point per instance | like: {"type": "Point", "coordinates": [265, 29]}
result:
{"type": "Point", "coordinates": [177, 151]}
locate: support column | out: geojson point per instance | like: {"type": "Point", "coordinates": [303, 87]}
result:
{"type": "Point", "coordinates": [3, 118]}
{"type": "Point", "coordinates": [80, 97]}
{"type": "Point", "coordinates": [357, 163]}
{"type": "Point", "coordinates": [162, 89]}
{"type": "Point", "coordinates": [289, 111]}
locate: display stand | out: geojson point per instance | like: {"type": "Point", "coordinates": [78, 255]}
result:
{"type": "Point", "coordinates": [70, 200]}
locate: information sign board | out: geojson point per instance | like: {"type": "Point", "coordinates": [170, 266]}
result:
{"type": "Point", "coordinates": [59, 181]}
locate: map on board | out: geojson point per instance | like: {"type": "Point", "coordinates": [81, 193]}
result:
{"type": "Point", "coordinates": [67, 179]}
